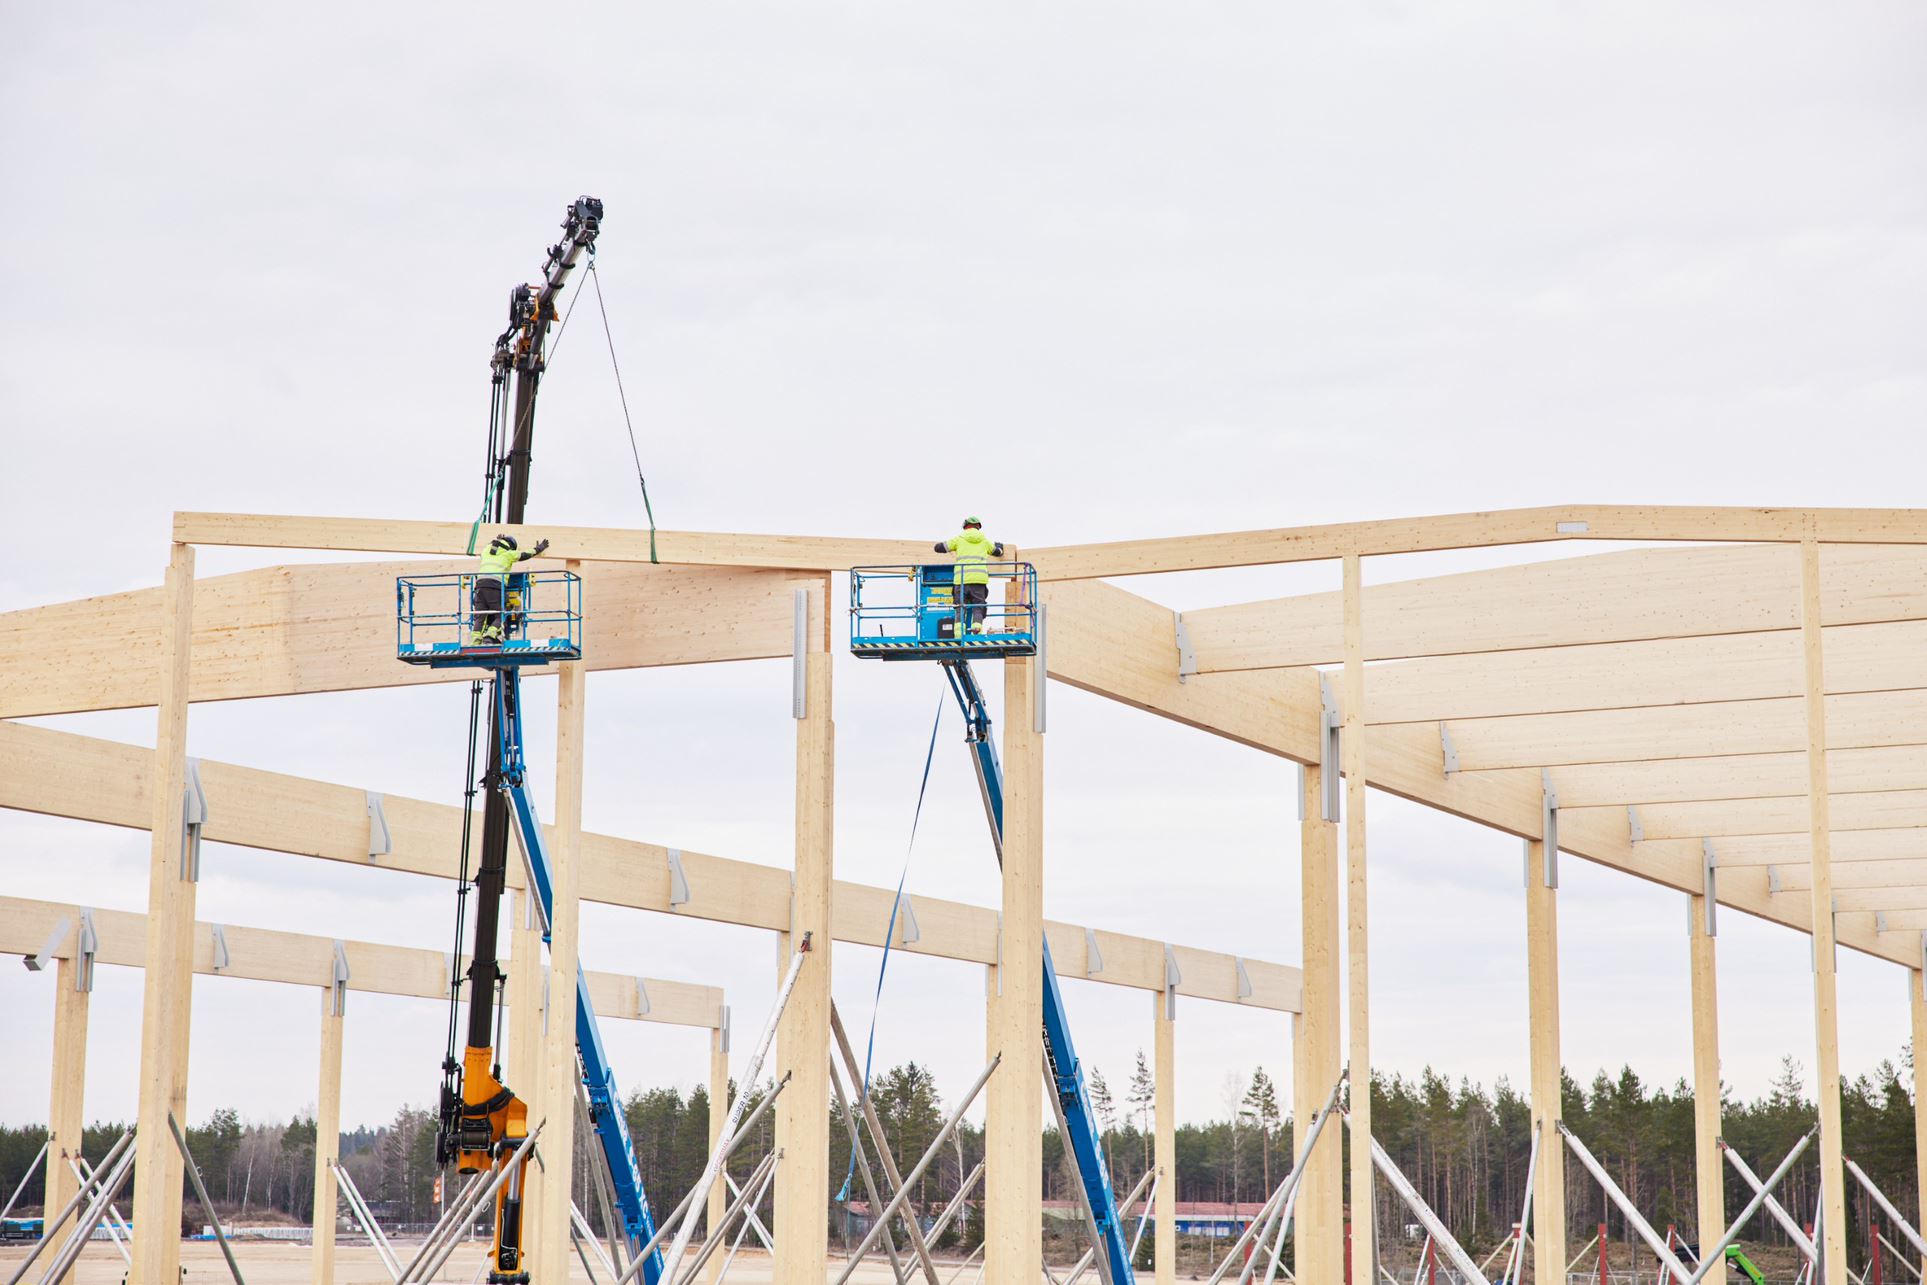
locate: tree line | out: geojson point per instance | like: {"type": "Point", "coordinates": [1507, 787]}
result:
{"type": "Point", "coordinates": [1466, 1149]}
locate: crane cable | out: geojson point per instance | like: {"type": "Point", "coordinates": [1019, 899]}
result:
{"type": "Point", "coordinates": [609, 337]}
{"type": "Point", "coordinates": [890, 936]}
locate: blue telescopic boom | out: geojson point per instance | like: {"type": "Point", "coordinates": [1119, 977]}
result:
{"type": "Point", "coordinates": [605, 1104]}
{"type": "Point", "coordinates": [1066, 1073]}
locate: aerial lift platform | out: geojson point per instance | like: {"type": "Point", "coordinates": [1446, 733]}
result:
{"type": "Point", "coordinates": [915, 613]}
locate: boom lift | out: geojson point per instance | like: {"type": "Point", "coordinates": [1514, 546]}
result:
{"type": "Point", "coordinates": [482, 1122]}
{"type": "Point", "coordinates": [931, 626]}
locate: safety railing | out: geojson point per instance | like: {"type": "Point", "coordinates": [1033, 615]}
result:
{"type": "Point", "coordinates": [941, 609]}
{"type": "Point", "coordinates": [527, 617]}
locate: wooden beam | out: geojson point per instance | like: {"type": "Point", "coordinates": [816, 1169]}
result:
{"type": "Point", "coordinates": [1833, 1195]}
{"type": "Point", "coordinates": [1917, 1020]}
{"type": "Point", "coordinates": [1709, 1166]}
{"type": "Point", "coordinates": [1679, 524]}
{"type": "Point", "coordinates": [1861, 875]}
{"type": "Point", "coordinates": [800, 1229]}
{"type": "Point", "coordinates": [1690, 671]}
{"type": "Point", "coordinates": [299, 959]}
{"type": "Point", "coordinates": [1738, 776]}
{"type": "Point", "coordinates": [1542, 1005]}
{"type": "Point", "coordinates": [1111, 642]}
{"type": "Point", "coordinates": [1319, 1245]}
{"type": "Point", "coordinates": [1854, 721]}
{"type": "Point", "coordinates": [814, 554]}
{"type": "Point", "coordinates": [1629, 596]}
{"type": "Point", "coordinates": [555, 1108]}
{"type": "Point", "coordinates": [1013, 1125]}
{"type": "Point", "coordinates": [287, 630]}
{"type": "Point", "coordinates": [718, 1114]}
{"type": "Point", "coordinates": [168, 982]}
{"type": "Point", "coordinates": [1364, 1235]}
{"type": "Point", "coordinates": [1849, 848]}
{"type": "Point", "coordinates": [327, 1139]}
{"type": "Point", "coordinates": [1888, 810]}
{"type": "Point", "coordinates": [66, 1112]}
{"type": "Point", "coordinates": [63, 774]}
{"type": "Point", "coordinates": [1164, 1117]}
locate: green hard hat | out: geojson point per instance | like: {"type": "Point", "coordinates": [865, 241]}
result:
{"type": "Point", "coordinates": [973, 520]}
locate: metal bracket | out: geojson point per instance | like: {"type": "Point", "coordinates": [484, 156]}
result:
{"type": "Point", "coordinates": [723, 1026]}
{"type": "Point", "coordinates": [1039, 676]}
{"type": "Point", "coordinates": [1880, 921]}
{"type": "Point", "coordinates": [1773, 879]}
{"type": "Point", "coordinates": [1709, 868]}
{"type": "Point", "coordinates": [1094, 958]}
{"type": "Point", "coordinates": [1923, 965]}
{"type": "Point", "coordinates": [678, 880]}
{"type": "Point", "coordinates": [799, 693]}
{"type": "Point", "coordinates": [337, 997]}
{"type": "Point", "coordinates": [642, 998]}
{"type": "Point", "coordinates": [1171, 979]}
{"type": "Point", "coordinates": [221, 957]}
{"type": "Point", "coordinates": [1244, 979]}
{"type": "Point", "coordinates": [193, 817]}
{"type": "Point", "coordinates": [1187, 658]}
{"type": "Point", "coordinates": [907, 915]}
{"type": "Point", "coordinates": [36, 962]}
{"type": "Point", "coordinates": [85, 948]}
{"type": "Point", "coordinates": [1573, 528]}
{"type": "Point", "coordinates": [1549, 825]}
{"type": "Point", "coordinates": [1450, 751]}
{"type": "Point", "coordinates": [1301, 791]}
{"type": "Point", "coordinates": [1635, 832]}
{"type": "Point", "coordinates": [380, 842]}
{"type": "Point", "coordinates": [1330, 725]}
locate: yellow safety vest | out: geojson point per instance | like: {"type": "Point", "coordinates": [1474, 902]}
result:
{"type": "Point", "coordinates": [974, 550]}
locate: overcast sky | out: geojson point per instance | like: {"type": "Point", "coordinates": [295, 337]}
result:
{"type": "Point", "coordinates": [1096, 271]}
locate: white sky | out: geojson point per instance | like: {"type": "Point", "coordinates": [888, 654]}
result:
{"type": "Point", "coordinates": [1100, 271]}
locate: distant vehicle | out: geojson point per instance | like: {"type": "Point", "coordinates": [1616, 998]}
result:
{"type": "Point", "coordinates": [21, 1228]}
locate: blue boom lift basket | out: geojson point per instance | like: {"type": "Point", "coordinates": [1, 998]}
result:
{"type": "Point", "coordinates": [918, 613]}
{"type": "Point", "coordinates": [541, 621]}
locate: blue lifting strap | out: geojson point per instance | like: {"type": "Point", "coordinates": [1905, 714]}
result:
{"type": "Point", "coordinates": [890, 936]}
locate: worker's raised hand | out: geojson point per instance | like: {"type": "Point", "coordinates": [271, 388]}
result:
{"type": "Point", "coordinates": [941, 547]}
{"type": "Point", "coordinates": [540, 545]}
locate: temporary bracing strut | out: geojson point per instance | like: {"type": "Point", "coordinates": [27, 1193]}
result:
{"type": "Point", "coordinates": [1066, 1074]}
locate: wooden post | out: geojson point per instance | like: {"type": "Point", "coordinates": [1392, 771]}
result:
{"type": "Point", "coordinates": [1364, 1259]}
{"type": "Point", "coordinates": [66, 1119]}
{"type": "Point", "coordinates": [327, 1134]}
{"type": "Point", "coordinates": [803, 1036]}
{"type": "Point", "coordinates": [1542, 984]}
{"type": "Point", "coordinates": [1164, 1116]}
{"type": "Point", "coordinates": [1826, 1017]}
{"type": "Point", "coordinates": [524, 1060]}
{"type": "Point", "coordinates": [1917, 1008]}
{"type": "Point", "coordinates": [555, 1108]}
{"type": "Point", "coordinates": [168, 984]}
{"type": "Point", "coordinates": [1013, 1145]}
{"type": "Point", "coordinates": [1319, 1237]}
{"type": "Point", "coordinates": [1709, 1167]}
{"type": "Point", "coordinates": [718, 1112]}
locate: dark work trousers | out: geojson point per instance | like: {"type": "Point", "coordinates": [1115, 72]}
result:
{"type": "Point", "coordinates": [974, 598]}
{"type": "Point", "coordinates": [485, 601]}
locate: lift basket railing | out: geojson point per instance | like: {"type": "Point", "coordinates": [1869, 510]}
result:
{"type": "Point", "coordinates": [540, 620]}
{"type": "Point", "coordinates": [901, 612]}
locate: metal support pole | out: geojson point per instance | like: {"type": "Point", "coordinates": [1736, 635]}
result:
{"type": "Point", "coordinates": [47, 1227]}
{"type": "Point", "coordinates": [359, 1211]}
{"type": "Point", "coordinates": [1515, 1261]}
{"type": "Point", "coordinates": [750, 1218]}
{"type": "Point", "coordinates": [1717, 1255]}
{"type": "Point", "coordinates": [1453, 1250]}
{"type": "Point", "coordinates": [207, 1203]}
{"type": "Point", "coordinates": [1880, 1198]}
{"type": "Point", "coordinates": [1083, 1264]}
{"type": "Point", "coordinates": [862, 1160]}
{"type": "Point", "coordinates": [1626, 1206]}
{"type": "Point", "coordinates": [502, 1175]}
{"type": "Point", "coordinates": [32, 1168]}
{"type": "Point", "coordinates": [768, 1182]}
{"type": "Point", "coordinates": [84, 1229]}
{"type": "Point", "coordinates": [1288, 1189]}
{"type": "Point", "coordinates": [453, 1214]}
{"type": "Point", "coordinates": [943, 1136]}
{"type": "Point", "coordinates": [481, 1188]}
{"type": "Point", "coordinates": [715, 1238]}
{"type": "Point", "coordinates": [1799, 1238]}
{"type": "Point", "coordinates": [115, 1223]}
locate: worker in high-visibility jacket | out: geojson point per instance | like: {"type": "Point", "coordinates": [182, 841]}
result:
{"type": "Point", "coordinates": [974, 551]}
{"type": "Point", "coordinates": [486, 599]}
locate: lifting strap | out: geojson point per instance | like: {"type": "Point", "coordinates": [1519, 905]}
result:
{"type": "Point", "coordinates": [889, 939]}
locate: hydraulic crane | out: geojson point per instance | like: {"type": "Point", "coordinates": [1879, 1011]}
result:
{"type": "Point", "coordinates": [937, 631]}
{"type": "Point", "coordinates": [482, 1122]}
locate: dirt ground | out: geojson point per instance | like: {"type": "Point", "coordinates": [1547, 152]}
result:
{"type": "Point", "coordinates": [271, 1263]}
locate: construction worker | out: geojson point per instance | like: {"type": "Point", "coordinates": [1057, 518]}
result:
{"type": "Point", "coordinates": [491, 587]}
{"type": "Point", "coordinates": [974, 551]}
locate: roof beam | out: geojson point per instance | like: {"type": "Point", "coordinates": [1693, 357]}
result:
{"type": "Point", "coordinates": [285, 630]}
{"type": "Point", "coordinates": [1848, 847]}
{"type": "Point", "coordinates": [300, 959]}
{"type": "Point", "coordinates": [1119, 645]}
{"type": "Point", "coordinates": [1737, 776]}
{"type": "Point", "coordinates": [1675, 524]}
{"type": "Point", "coordinates": [1860, 875]}
{"type": "Point", "coordinates": [1856, 720]}
{"type": "Point", "coordinates": [62, 774]}
{"type": "Point", "coordinates": [1630, 596]}
{"type": "Point", "coordinates": [1897, 809]}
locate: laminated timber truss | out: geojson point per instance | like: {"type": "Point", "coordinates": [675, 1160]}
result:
{"type": "Point", "coordinates": [1740, 716]}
